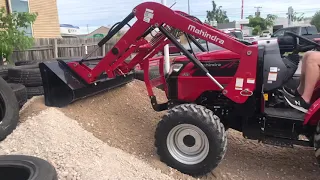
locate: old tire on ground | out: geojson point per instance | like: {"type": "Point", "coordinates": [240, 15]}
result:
{"type": "Point", "coordinates": [317, 143]}
{"type": "Point", "coordinates": [9, 110]}
{"type": "Point", "coordinates": [35, 91]}
{"type": "Point", "coordinates": [191, 139]}
{"type": "Point", "coordinates": [4, 71]}
{"type": "Point", "coordinates": [28, 75]}
{"type": "Point", "coordinates": [22, 63]}
{"type": "Point", "coordinates": [23, 167]}
{"type": "Point", "coordinates": [21, 93]}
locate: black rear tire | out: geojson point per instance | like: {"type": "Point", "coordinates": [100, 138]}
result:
{"type": "Point", "coordinates": [317, 143]}
{"type": "Point", "coordinates": [26, 167]}
{"type": "Point", "coordinates": [201, 120]}
{"type": "Point", "coordinates": [9, 110]}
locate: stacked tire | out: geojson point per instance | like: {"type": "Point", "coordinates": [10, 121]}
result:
{"type": "Point", "coordinates": [20, 92]}
{"type": "Point", "coordinates": [4, 71]}
{"type": "Point", "coordinates": [28, 74]}
{"type": "Point", "coordinates": [24, 78]}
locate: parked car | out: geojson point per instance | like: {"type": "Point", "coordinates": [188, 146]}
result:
{"type": "Point", "coordinates": [308, 31]}
{"type": "Point", "coordinates": [265, 33]}
{"type": "Point", "coordinates": [251, 38]}
{"type": "Point", "coordinates": [235, 32]}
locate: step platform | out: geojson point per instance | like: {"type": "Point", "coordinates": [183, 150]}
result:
{"type": "Point", "coordinates": [285, 113]}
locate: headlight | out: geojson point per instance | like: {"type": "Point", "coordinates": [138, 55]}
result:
{"type": "Point", "coordinates": [175, 68]}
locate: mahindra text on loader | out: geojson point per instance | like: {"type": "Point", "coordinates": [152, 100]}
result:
{"type": "Point", "coordinates": [238, 87]}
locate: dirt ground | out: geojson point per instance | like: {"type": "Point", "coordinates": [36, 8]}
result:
{"type": "Point", "coordinates": [124, 119]}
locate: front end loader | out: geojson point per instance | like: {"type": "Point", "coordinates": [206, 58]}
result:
{"type": "Point", "coordinates": [208, 92]}
{"type": "Point", "coordinates": [68, 80]}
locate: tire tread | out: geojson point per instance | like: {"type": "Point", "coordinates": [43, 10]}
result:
{"type": "Point", "coordinates": [209, 119]}
{"type": "Point", "coordinates": [11, 118]}
{"type": "Point", "coordinates": [26, 75]}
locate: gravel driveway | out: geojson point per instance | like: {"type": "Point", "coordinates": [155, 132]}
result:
{"type": "Point", "coordinates": [77, 140]}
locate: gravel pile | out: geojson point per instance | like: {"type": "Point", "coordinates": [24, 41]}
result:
{"type": "Point", "coordinates": [75, 153]}
{"type": "Point", "coordinates": [124, 119]}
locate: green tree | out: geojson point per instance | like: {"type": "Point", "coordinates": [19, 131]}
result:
{"type": "Point", "coordinates": [12, 32]}
{"type": "Point", "coordinates": [217, 14]}
{"type": "Point", "coordinates": [297, 16]}
{"type": "Point", "coordinates": [316, 20]}
{"type": "Point", "coordinates": [259, 24]}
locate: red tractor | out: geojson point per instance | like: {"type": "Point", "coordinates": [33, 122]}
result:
{"type": "Point", "coordinates": [208, 92]}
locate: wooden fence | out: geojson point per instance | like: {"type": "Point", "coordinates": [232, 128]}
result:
{"type": "Point", "coordinates": [45, 49]}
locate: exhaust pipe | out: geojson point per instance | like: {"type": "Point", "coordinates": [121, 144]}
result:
{"type": "Point", "coordinates": [62, 86]}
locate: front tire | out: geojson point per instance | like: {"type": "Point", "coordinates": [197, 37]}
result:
{"type": "Point", "coordinates": [191, 139]}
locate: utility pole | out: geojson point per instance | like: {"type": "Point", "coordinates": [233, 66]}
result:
{"type": "Point", "coordinates": [290, 15]}
{"type": "Point", "coordinates": [88, 28]}
{"type": "Point", "coordinates": [189, 7]}
{"type": "Point", "coordinates": [166, 50]}
{"type": "Point", "coordinates": [241, 26]}
{"type": "Point", "coordinates": [258, 11]}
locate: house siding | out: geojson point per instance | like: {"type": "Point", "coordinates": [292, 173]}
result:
{"type": "Point", "coordinates": [47, 23]}
{"type": "Point", "coordinates": [3, 4]}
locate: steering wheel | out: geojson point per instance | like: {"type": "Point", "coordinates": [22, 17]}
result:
{"type": "Point", "coordinates": [310, 44]}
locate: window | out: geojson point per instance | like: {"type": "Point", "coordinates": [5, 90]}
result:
{"type": "Point", "coordinates": [237, 34]}
{"type": "Point", "coordinates": [21, 6]}
{"type": "Point", "coordinates": [293, 29]}
{"type": "Point", "coordinates": [279, 33]}
{"type": "Point", "coordinates": [309, 30]}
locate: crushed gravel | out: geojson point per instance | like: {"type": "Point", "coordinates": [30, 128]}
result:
{"type": "Point", "coordinates": [124, 119]}
{"type": "Point", "coordinates": [75, 153]}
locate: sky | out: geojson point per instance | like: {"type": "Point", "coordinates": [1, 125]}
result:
{"type": "Point", "coordinates": [91, 14]}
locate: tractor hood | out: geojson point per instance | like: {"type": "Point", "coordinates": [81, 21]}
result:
{"type": "Point", "coordinates": [212, 55]}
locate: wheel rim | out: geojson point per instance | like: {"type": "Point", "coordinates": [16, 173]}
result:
{"type": "Point", "coordinates": [188, 144]}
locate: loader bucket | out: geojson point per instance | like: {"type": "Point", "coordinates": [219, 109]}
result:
{"type": "Point", "coordinates": [62, 86]}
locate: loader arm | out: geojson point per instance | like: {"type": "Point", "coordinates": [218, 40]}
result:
{"type": "Point", "coordinates": [151, 15]}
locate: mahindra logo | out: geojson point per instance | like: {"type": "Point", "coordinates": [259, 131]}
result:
{"type": "Point", "coordinates": [205, 34]}
{"type": "Point", "coordinates": [211, 64]}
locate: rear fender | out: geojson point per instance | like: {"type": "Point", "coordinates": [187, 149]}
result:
{"type": "Point", "coordinates": [313, 115]}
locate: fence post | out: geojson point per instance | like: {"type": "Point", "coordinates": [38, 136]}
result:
{"type": "Point", "coordinates": [104, 50]}
{"type": "Point", "coordinates": [55, 48]}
